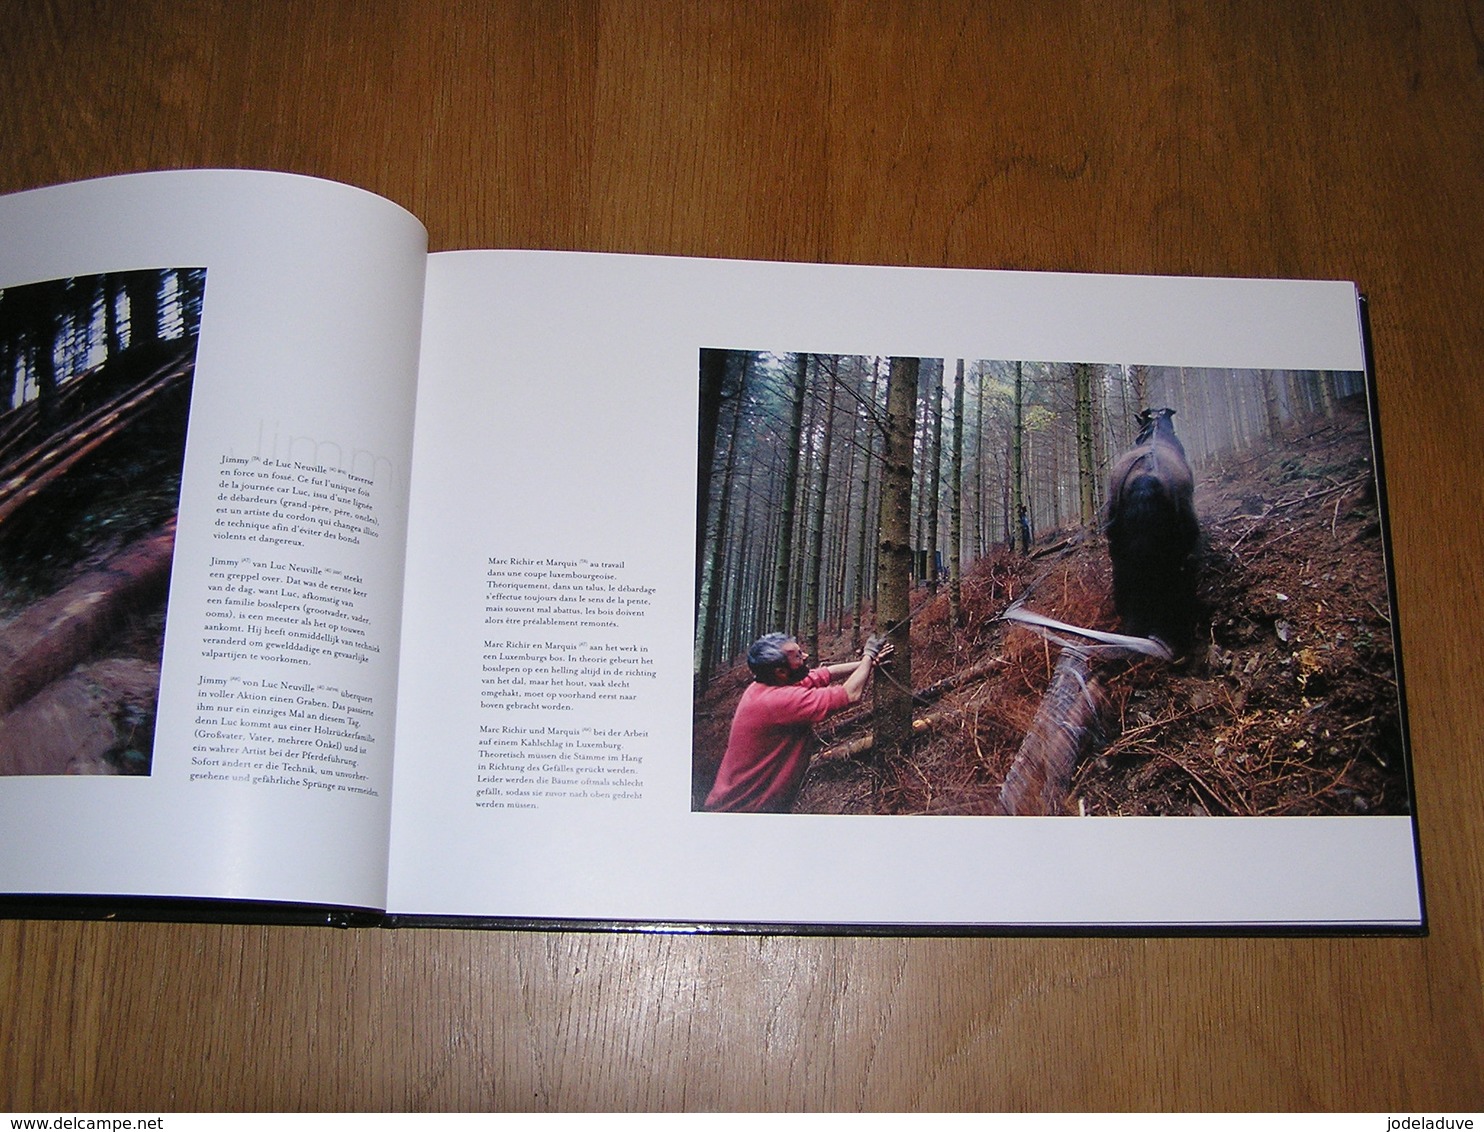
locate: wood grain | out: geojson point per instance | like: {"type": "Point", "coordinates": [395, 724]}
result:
{"type": "Point", "coordinates": [1264, 138]}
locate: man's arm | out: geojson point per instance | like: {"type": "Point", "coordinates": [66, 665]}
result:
{"type": "Point", "coordinates": [858, 672]}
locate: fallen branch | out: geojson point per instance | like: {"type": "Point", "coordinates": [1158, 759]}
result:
{"type": "Point", "coordinates": [1283, 506]}
{"type": "Point", "coordinates": [28, 475]}
{"type": "Point", "coordinates": [1274, 508]}
{"type": "Point", "coordinates": [958, 680]}
{"type": "Point", "coordinates": [1053, 548]}
{"type": "Point", "coordinates": [860, 746]}
{"type": "Point", "coordinates": [920, 724]}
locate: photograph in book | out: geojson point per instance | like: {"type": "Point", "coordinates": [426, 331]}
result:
{"type": "Point", "coordinates": [96, 395]}
{"type": "Point", "coordinates": [987, 587]}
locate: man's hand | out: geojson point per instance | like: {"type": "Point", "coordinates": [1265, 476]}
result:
{"type": "Point", "coordinates": [878, 650]}
{"type": "Point", "coordinates": [857, 673]}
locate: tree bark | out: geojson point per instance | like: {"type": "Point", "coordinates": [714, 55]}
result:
{"type": "Point", "coordinates": [892, 688]}
{"type": "Point", "coordinates": [709, 598]}
{"type": "Point", "coordinates": [935, 471]}
{"type": "Point", "coordinates": [783, 563]}
{"type": "Point", "coordinates": [1086, 470]}
{"type": "Point", "coordinates": [1017, 461]}
{"type": "Point", "coordinates": [143, 289]}
{"type": "Point", "coordinates": [713, 378]}
{"type": "Point", "coordinates": [956, 517]}
{"type": "Point", "coordinates": [861, 564]}
{"type": "Point", "coordinates": [812, 603]}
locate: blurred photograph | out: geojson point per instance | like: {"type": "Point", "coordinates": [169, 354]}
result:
{"type": "Point", "coordinates": [96, 388]}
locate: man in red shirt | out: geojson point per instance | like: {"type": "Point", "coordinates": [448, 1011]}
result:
{"type": "Point", "coordinates": [772, 736]}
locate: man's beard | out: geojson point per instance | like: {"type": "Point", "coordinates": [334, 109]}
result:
{"type": "Point", "coordinates": [795, 675]}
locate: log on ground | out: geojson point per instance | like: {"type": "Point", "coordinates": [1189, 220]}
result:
{"type": "Point", "coordinates": [92, 721]}
{"type": "Point", "coordinates": [1067, 721]}
{"type": "Point", "coordinates": [58, 632]}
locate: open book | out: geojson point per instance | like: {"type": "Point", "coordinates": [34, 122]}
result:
{"type": "Point", "coordinates": [353, 583]}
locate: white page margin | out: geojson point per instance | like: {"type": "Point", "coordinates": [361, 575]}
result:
{"type": "Point", "coordinates": [311, 313]}
{"type": "Point", "coordinates": [587, 467]}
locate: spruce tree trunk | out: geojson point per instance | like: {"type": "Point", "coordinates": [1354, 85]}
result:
{"type": "Point", "coordinates": [861, 575]}
{"type": "Point", "coordinates": [1270, 407]}
{"type": "Point", "coordinates": [812, 603]}
{"type": "Point", "coordinates": [956, 518]}
{"type": "Point", "coordinates": [783, 562]}
{"type": "Point", "coordinates": [713, 377]}
{"type": "Point", "coordinates": [893, 697]}
{"type": "Point", "coordinates": [143, 289]}
{"type": "Point", "coordinates": [935, 462]}
{"type": "Point", "coordinates": [1086, 471]}
{"type": "Point", "coordinates": [1017, 461]}
{"type": "Point", "coordinates": [709, 599]}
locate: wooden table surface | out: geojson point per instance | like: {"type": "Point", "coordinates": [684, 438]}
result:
{"type": "Point", "coordinates": [1267, 138]}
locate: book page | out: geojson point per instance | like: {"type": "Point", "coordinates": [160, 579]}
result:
{"type": "Point", "coordinates": [556, 759]}
{"type": "Point", "coordinates": [209, 378]}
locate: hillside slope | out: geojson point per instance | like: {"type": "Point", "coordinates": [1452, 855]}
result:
{"type": "Point", "coordinates": [1286, 703]}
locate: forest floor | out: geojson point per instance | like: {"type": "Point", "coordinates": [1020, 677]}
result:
{"type": "Point", "coordinates": [1285, 703]}
{"type": "Point", "coordinates": [79, 532]}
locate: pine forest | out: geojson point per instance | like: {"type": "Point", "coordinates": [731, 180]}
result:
{"type": "Point", "coordinates": [841, 496]}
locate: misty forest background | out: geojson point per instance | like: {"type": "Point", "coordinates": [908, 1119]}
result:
{"type": "Point", "coordinates": [793, 459]}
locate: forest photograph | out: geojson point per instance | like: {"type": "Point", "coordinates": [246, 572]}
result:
{"type": "Point", "coordinates": [988, 587]}
{"type": "Point", "coordinates": [95, 392]}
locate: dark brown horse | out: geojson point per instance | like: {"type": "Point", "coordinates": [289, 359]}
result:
{"type": "Point", "coordinates": [1153, 532]}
